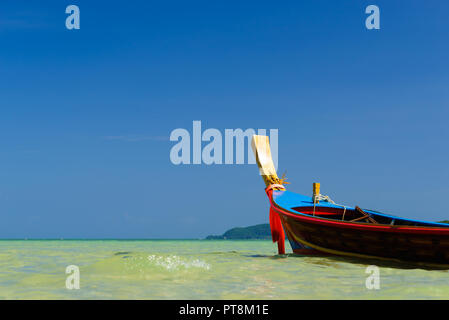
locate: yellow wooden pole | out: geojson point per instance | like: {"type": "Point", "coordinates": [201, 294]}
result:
{"type": "Point", "coordinates": [316, 192]}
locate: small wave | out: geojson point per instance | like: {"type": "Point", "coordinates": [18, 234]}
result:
{"type": "Point", "coordinates": [173, 262]}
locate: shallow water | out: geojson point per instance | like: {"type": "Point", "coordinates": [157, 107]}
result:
{"type": "Point", "coordinates": [197, 269]}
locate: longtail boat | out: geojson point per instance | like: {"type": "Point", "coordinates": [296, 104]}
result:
{"type": "Point", "coordinates": [317, 225]}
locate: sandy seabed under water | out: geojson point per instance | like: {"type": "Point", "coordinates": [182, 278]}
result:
{"type": "Point", "coordinates": [198, 269]}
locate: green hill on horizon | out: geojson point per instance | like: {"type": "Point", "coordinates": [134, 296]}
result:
{"type": "Point", "coordinates": [259, 231]}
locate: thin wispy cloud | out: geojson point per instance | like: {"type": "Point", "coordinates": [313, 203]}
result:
{"type": "Point", "coordinates": [23, 20]}
{"type": "Point", "coordinates": [17, 24]}
{"type": "Point", "coordinates": [136, 138]}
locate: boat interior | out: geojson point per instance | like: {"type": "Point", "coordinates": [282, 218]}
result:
{"type": "Point", "coordinates": [362, 215]}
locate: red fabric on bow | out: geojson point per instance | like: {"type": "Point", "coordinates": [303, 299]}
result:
{"type": "Point", "coordinates": [277, 232]}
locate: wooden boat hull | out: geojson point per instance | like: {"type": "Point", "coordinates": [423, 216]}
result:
{"type": "Point", "coordinates": [313, 235]}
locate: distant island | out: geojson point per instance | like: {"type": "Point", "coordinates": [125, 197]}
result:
{"type": "Point", "coordinates": [260, 231]}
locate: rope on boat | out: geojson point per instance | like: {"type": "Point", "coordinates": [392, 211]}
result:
{"type": "Point", "coordinates": [321, 197]}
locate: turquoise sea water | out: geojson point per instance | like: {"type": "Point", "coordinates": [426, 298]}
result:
{"type": "Point", "coordinates": [197, 269]}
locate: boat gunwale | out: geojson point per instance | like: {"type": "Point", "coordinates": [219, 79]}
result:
{"type": "Point", "coordinates": [358, 225]}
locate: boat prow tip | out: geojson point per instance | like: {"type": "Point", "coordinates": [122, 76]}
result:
{"type": "Point", "coordinates": [262, 152]}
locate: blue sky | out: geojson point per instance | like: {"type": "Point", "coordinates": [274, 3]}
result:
{"type": "Point", "coordinates": [85, 114]}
